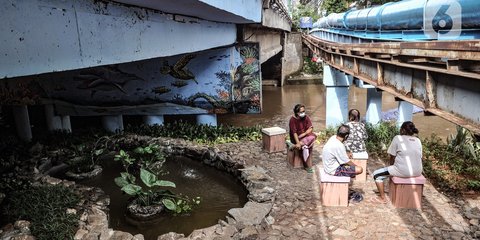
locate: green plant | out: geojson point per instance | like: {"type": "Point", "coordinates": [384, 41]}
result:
{"type": "Point", "coordinates": [46, 208]}
{"type": "Point", "coordinates": [248, 52]}
{"type": "Point", "coordinates": [303, 10]}
{"type": "Point", "coordinates": [465, 143]}
{"type": "Point", "coordinates": [199, 133]}
{"type": "Point", "coordinates": [326, 133]}
{"type": "Point", "coordinates": [380, 135]}
{"type": "Point", "coordinates": [334, 6]}
{"type": "Point", "coordinates": [150, 157]}
{"type": "Point", "coordinates": [311, 67]}
{"type": "Point", "coordinates": [150, 194]}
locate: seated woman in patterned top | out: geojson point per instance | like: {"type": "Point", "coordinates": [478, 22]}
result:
{"type": "Point", "coordinates": [355, 142]}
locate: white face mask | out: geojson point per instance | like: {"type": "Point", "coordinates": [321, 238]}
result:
{"type": "Point", "coordinates": [302, 115]}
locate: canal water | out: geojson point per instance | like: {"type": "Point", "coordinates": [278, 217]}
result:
{"type": "Point", "coordinates": [278, 102]}
{"type": "Point", "coordinates": [219, 192]}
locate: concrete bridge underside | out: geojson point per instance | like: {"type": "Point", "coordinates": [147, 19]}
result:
{"type": "Point", "coordinates": [442, 77]}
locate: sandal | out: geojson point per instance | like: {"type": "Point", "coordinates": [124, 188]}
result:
{"type": "Point", "coordinates": [309, 170]}
{"type": "Point", "coordinates": [378, 200]}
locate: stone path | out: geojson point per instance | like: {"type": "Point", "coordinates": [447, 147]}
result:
{"type": "Point", "coordinates": [298, 214]}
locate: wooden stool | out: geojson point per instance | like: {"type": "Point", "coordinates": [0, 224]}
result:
{"type": "Point", "coordinates": [360, 159]}
{"type": "Point", "coordinates": [273, 139]}
{"type": "Point", "coordinates": [406, 192]}
{"type": "Point", "coordinates": [295, 157]}
{"type": "Point", "coordinates": [333, 189]}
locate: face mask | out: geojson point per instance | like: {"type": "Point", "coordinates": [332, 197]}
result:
{"type": "Point", "coordinates": [302, 115]}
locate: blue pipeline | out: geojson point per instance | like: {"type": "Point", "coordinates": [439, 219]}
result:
{"type": "Point", "coordinates": [406, 15]}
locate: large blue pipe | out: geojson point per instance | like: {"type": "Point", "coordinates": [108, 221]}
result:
{"type": "Point", "coordinates": [404, 15]}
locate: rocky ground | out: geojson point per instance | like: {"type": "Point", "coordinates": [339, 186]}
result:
{"type": "Point", "coordinates": [298, 214]}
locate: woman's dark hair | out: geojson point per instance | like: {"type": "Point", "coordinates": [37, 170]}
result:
{"type": "Point", "coordinates": [297, 108]}
{"type": "Point", "coordinates": [409, 128]}
{"type": "Point", "coordinates": [354, 115]}
{"type": "Point", "coordinates": [343, 131]}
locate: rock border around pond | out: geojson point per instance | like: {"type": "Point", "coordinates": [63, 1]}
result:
{"type": "Point", "coordinates": [241, 223]}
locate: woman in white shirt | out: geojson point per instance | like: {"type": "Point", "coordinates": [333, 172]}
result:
{"type": "Point", "coordinates": [406, 153]}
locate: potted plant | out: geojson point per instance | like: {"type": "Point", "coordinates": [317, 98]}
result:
{"type": "Point", "coordinates": [84, 160]}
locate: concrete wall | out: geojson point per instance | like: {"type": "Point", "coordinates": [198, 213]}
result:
{"type": "Point", "coordinates": [272, 19]}
{"type": "Point", "coordinates": [57, 35]}
{"type": "Point", "coordinates": [292, 60]}
{"type": "Point", "coordinates": [270, 41]}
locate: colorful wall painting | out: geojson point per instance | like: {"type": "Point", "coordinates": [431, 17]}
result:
{"type": "Point", "coordinates": [225, 80]}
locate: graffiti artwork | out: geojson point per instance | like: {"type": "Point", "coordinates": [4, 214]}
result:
{"type": "Point", "coordinates": [218, 81]}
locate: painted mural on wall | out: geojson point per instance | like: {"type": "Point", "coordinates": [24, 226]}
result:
{"type": "Point", "coordinates": [219, 81]}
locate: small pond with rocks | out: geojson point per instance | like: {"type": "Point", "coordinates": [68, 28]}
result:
{"type": "Point", "coordinates": [219, 192]}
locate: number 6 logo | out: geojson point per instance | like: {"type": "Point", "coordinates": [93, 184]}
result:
{"type": "Point", "coordinates": [442, 19]}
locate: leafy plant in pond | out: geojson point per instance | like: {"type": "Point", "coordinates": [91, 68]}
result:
{"type": "Point", "coordinates": [46, 208]}
{"type": "Point", "coordinates": [150, 157]}
{"type": "Point", "coordinates": [85, 156]}
{"type": "Point", "coordinates": [149, 194]}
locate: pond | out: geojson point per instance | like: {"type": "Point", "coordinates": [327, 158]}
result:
{"type": "Point", "coordinates": [219, 192]}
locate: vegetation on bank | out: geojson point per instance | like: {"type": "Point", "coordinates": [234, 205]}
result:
{"type": "Point", "coordinates": [451, 166]}
{"type": "Point", "coordinates": [47, 209]}
{"type": "Point", "coordinates": [199, 133]}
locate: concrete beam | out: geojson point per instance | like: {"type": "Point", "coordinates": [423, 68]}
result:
{"type": "Point", "coordinates": [245, 11]}
{"type": "Point", "coordinates": [57, 35]}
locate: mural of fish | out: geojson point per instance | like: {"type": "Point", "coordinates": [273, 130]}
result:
{"type": "Point", "coordinates": [179, 84]}
{"type": "Point", "coordinates": [108, 78]}
{"type": "Point", "coordinates": [179, 70]}
{"type": "Point", "coordinates": [161, 90]}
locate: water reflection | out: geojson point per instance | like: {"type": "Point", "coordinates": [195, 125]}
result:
{"type": "Point", "coordinates": [219, 192]}
{"type": "Point", "coordinates": [278, 103]}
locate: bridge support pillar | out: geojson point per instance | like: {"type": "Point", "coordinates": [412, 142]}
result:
{"type": "Point", "coordinates": [405, 112]}
{"type": "Point", "coordinates": [153, 120]}
{"type": "Point", "coordinates": [337, 84]}
{"type": "Point", "coordinates": [337, 106]}
{"type": "Point", "coordinates": [22, 122]}
{"type": "Point", "coordinates": [55, 122]}
{"type": "Point", "coordinates": [207, 119]}
{"type": "Point", "coordinates": [374, 106]}
{"type": "Point", "coordinates": [112, 123]}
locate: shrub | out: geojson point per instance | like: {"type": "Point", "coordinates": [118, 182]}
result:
{"type": "Point", "coordinates": [199, 133]}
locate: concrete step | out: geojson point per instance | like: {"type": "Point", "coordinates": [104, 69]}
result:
{"type": "Point", "coordinates": [304, 79]}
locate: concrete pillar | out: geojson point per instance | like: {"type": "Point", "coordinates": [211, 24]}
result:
{"type": "Point", "coordinates": [113, 123]}
{"type": "Point", "coordinates": [405, 112]}
{"type": "Point", "coordinates": [54, 123]}
{"type": "Point", "coordinates": [337, 84]}
{"type": "Point", "coordinates": [66, 125]}
{"type": "Point", "coordinates": [22, 122]}
{"type": "Point", "coordinates": [207, 119]}
{"type": "Point", "coordinates": [152, 120]}
{"type": "Point", "coordinates": [374, 106]}
{"type": "Point", "coordinates": [337, 106]}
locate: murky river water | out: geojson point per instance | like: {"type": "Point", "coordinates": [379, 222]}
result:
{"type": "Point", "coordinates": [278, 103]}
